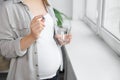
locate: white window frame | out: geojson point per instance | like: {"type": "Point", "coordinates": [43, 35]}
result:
{"type": "Point", "coordinates": [88, 21]}
{"type": "Point", "coordinates": [107, 36]}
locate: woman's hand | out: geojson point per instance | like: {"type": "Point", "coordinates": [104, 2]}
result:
{"type": "Point", "coordinates": [67, 39]}
{"type": "Point", "coordinates": [37, 25]}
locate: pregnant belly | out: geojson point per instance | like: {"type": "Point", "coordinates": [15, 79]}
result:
{"type": "Point", "coordinates": [49, 58]}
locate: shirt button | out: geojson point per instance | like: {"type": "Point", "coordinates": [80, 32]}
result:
{"type": "Point", "coordinates": [35, 52]}
{"type": "Point", "coordinates": [38, 76]}
{"type": "Point", "coordinates": [36, 65]}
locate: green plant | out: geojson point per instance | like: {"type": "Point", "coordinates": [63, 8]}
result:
{"type": "Point", "coordinates": [59, 15]}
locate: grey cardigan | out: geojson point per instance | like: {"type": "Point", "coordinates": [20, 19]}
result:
{"type": "Point", "coordinates": [14, 24]}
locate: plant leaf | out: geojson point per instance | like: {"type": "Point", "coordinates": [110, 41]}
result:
{"type": "Point", "coordinates": [59, 17]}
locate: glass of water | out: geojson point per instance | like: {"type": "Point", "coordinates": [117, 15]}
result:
{"type": "Point", "coordinates": [62, 31]}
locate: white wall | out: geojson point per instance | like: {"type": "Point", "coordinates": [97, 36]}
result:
{"type": "Point", "coordinates": [64, 6]}
{"type": "Point", "coordinates": [78, 9]}
{"type": "Point", "coordinates": [72, 8]}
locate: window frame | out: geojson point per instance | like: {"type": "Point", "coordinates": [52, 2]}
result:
{"type": "Point", "coordinates": [88, 21]}
{"type": "Point", "coordinates": [104, 34]}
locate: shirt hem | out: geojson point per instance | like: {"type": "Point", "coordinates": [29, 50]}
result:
{"type": "Point", "coordinates": [48, 76]}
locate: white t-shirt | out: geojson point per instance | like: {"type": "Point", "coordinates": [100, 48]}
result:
{"type": "Point", "coordinates": [49, 55]}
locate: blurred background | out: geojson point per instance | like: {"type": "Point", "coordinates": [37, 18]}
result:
{"type": "Point", "coordinates": [94, 52]}
{"type": "Point", "coordinates": [95, 47]}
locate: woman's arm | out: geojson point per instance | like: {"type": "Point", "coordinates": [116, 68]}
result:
{"type": "Point", "coordinates": [11, 47]}
{"type": "Point", "coordinates": [37, 25]}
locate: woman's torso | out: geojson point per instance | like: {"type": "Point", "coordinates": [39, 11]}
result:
{"type": "Point", "coordinates": [19, 18]}
{"type": "Point", "coordinates": [49, 57]}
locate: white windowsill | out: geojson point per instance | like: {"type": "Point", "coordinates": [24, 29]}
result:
{"type": "Point", "coordinates": [90, 56]}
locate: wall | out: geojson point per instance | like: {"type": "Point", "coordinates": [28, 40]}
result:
{"type": "Point", "coordinates": [73, 8]}
{"type": "Point", "coordinates": [78, 9]}
{"type": "Point", "coordinates": [64, 6]}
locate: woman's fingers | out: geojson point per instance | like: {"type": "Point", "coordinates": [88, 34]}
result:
{"type": "Point", "coordinates": [66, 40]}
{"type": "Point", "coordinates": [37, 25]}
{"type": "Point", "coordinates": [39, 17]}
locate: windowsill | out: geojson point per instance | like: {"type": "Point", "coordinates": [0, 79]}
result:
{"type": "Point", "coordinates": [90, 57]}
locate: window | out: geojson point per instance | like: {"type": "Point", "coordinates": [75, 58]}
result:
{"type": "Point", "coordinates": [92, 10]}
{"type": "Point", "coordinates": [111, 17]}
{"type": "Point", "coordinates": [105, 14]}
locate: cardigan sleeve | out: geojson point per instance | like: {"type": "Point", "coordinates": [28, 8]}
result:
{"type": "Point", "coordinates": [9, 45]}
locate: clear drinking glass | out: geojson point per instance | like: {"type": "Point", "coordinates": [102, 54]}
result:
{"type": "Point", "coordinates": [63, 31]}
